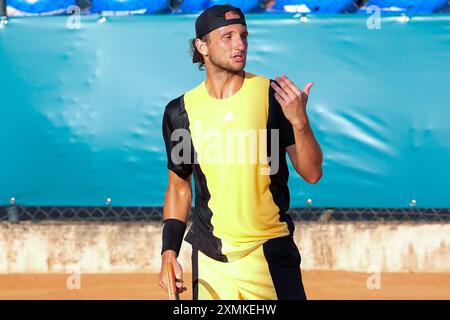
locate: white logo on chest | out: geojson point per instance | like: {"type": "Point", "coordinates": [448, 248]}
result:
{"type": "Point", "coordinates": [228, 117]}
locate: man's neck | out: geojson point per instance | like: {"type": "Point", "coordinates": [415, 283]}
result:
{"type": "Point", "coordinates": [222, 85]}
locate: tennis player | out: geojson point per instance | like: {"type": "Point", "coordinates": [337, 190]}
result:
{"type": "Point", "coordinates": [231, 133]}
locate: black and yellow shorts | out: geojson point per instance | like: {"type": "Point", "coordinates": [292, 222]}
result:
{"type": "Point", "coordinates": [270, 272]}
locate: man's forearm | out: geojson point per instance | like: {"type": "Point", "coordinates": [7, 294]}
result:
{"type": "Point", "coordinates": [308, 154]}
{"type": "Point", "coordinates": [177, 204]}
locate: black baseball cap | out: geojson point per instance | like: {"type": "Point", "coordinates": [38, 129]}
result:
{"type": "Point", "coordinates": [214, 17]}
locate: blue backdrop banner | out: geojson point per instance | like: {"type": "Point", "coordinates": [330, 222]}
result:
{"type": "Point", "coordinates": [81, 108]}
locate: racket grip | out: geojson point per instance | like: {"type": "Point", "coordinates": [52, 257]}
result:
{"type": "Point", "coordinates": [171, 282]}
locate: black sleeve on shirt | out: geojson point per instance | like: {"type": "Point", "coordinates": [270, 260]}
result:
{"type": "Point", "coordinates": [286, 131]}
{"type": "Point", "coordinates": [175, 117]}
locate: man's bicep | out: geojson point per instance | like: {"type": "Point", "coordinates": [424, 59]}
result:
{"type": "Point", "coordinates": [177, 140]}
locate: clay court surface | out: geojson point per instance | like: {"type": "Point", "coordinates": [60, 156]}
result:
{"type": "Point", "coordinates": [318, 285]}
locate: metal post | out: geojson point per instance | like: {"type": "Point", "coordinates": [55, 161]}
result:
{"type": "Point", "coordinates": [2, 8]}
{"type": "Point", "coordinates": [13, 213]}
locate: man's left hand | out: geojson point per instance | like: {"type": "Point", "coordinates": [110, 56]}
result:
{"type": "Point", "coordinates": [292, 101]}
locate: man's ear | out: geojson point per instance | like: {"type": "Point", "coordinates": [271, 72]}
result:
{"type": "Point", "coordinates": [201, 46]}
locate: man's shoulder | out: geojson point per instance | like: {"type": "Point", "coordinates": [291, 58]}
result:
{"type": "Point", "coordinates": [252, 75]}
{"type": "Point", "coordinates": [174, 105]}
{"type": "Point", "coordinates": [197, 90]}
{"type": "Point", "coordinates": [177, 106]}
{"type": "Point", "coordinates": [258, 80]}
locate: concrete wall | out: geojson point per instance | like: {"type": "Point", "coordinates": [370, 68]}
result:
{"type": "Point", "coordinates": [135, 247]}
{"type": "Point", "coordinates": [365, 246]}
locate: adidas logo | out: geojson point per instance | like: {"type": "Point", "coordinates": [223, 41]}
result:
{"type": "Point", "coordinates": [228, 117]}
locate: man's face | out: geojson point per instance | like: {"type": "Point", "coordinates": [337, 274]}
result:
{"type": "Point", "coordinates": [227, 47]}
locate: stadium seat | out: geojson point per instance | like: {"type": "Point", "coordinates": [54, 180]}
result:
{"type": "Point", "coordinates": [145, 6]}
{"type": "Point", "coordinates": [244, 5]}
{"type": "Point", "coordinates": [40, 6]}
{"type": "Point", "coordinates": [194, 6]}
{"type": "Point", "coordinates": [409, 6]}
{"type": "Point", "coordinates": [316, 6]}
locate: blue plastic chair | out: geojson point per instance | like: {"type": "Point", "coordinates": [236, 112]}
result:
{"type": "Point", "coordinates": [194, 6]}
{"type": "Point", "coordinates": [244, 5]}
{"type": "Point", "coordinates": [151, 6]}
{"type": "Point", "coordinates": [319, 6]}
{"type": "Point", "coordinates": [40, 6]}
{"type": "Point", "coordinates": [411, 6]}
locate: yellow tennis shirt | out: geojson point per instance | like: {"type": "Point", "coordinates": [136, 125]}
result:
{"type": "Point", "coordinates": [235, 149]}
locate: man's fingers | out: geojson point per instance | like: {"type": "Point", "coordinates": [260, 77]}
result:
{"type": "Point", "coordinates": [308, 87]}
{"type": "Point", "coordinates": [291, 85]}
{"type": "Point", "coordinates": [182, 290]}
{"type": "Point", "coordinates": [286, 87]}
{"type": "Point", "coordinates": [279, 99]}
{"type": "Point", "coordinates": [290, 88]}
{"type": "Point", "coordinates": [163, 284]}
{"type": "Point", "coordinates": [178, 278]}
{"type": "Point", "coordinates": [281, 102]}
{"type": "Point", "coordinates": [280, 92]}
{"type": "Point", "coordinates": [179, 283]}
